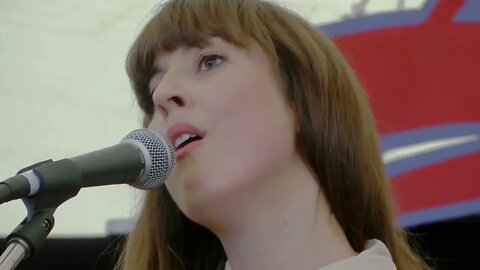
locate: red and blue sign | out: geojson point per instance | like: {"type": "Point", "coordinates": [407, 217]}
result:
{"type": "Point", "coordinates": [421, 70]}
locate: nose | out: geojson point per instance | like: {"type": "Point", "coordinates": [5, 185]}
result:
{"type": "Point", "coordinates": [170, 94]}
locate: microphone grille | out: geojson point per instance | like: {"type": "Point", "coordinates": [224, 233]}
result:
{"type": "Point", "coordinates": [159, 156]}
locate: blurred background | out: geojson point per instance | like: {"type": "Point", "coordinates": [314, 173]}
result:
{"type": "Point", "coordinates": [64, 92]}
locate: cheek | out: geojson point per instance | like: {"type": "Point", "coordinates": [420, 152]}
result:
{"type": "Point", "coordinates": [250, 137]}
{"type": "Point", "coordinates": [259, 112]}
{"type": "Point", "coordinates": [157, 124]}
{"type": "Point", "coordinates": [255, 130]}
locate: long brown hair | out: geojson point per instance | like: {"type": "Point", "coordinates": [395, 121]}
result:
{"type": "Point", "coordinates": [337, 136]}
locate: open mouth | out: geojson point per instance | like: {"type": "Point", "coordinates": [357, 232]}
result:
{"type": "Point", "coordinates": [185, 139]}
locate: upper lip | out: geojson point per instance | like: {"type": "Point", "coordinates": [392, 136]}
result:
{"type": "Point", "coordinates": [178, 129]}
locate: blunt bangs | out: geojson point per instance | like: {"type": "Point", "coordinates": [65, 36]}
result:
{"type": "Point", "coordinates": [185, 23]}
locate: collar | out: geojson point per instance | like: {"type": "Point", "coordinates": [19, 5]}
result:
{"type": "Point", "coordinates": [374, 256]}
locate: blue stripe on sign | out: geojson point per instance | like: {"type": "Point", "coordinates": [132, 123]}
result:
{"type": "Point", "coordinates": [434, 214]}
{"type": "Point", "coordinates": [380, 21]}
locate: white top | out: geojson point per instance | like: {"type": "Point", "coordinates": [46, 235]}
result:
{"type": "Point", "coordinates": [374, 257]}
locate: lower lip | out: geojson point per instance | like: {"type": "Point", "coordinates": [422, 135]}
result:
{"type": "Point", "coordinates": [184, 151]}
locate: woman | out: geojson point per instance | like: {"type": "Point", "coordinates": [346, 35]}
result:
{"type": "Point", "coordinates": [278, 162]}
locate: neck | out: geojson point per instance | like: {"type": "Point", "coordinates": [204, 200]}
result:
{"type": "Point", "coordinates": [293, 229]}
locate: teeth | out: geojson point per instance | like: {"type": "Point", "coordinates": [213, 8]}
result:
{"type": "Point", "coordinates": [183, 138]}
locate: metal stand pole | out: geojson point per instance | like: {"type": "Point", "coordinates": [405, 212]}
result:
{"type": "Point", "coordinates": [27, 238]}
{"type": "Point", "coordinates": [16, 250]}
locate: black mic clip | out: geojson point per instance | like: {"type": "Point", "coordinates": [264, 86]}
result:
{"type": "Point", "coordinates": [29, 235]}
{"type": "Point", "coordinates": [33, 166]}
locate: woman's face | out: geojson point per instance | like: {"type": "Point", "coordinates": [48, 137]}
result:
{"type": "Point", "coordinates": [228, 101]}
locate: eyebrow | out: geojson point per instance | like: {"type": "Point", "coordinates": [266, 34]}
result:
{"type": "Point", "coordinates": [185, 49]}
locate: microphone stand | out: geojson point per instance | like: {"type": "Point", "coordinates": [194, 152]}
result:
{"type": "Point", "coordinates": [30, 234]}
{"type": "Point", "coordinates": [27, 238]}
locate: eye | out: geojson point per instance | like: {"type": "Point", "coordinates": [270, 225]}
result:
{"type": "Point", "coordinates": [209, 61]}
{"type": "Point", "coordinates": [154, 81]}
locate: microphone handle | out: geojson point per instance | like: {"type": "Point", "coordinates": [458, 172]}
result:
{"type": "Point", "coordinates": [122, 163]}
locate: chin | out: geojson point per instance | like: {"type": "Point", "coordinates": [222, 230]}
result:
{"type": "Point", "coordinates": [207, 203]}
{"type": "Point", "coordinates": [201, 212]}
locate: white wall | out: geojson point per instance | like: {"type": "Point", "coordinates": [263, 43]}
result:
{"type": "Point", "coordinates": [64, 92]}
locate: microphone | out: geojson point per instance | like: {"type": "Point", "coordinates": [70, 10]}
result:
{"type": "Point", "coordinates": [143, 159]}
